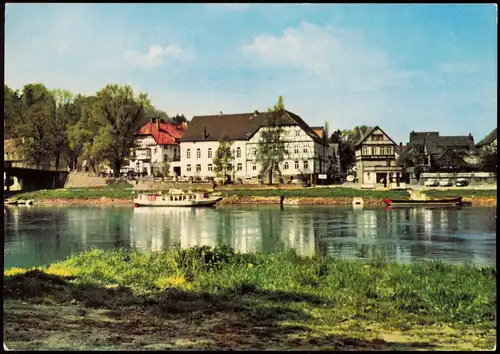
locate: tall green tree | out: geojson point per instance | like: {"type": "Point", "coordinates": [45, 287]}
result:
{"type": "Point", "coordinates": [488, 160]}
{"type": "Point", "coordinates": [412, 158]}
{"type": "Point", "coordinates": [178, 119]}
{"type": "Point", "coordinates": [347, 138]}
{"type": "Point", "coordinates": [64, 116]}
{"type": "Point", "coordinates": [452, 159]}
{"type": "Point", "coordinates": [36, 111]}
{"type": "Point", "coordinates": [11, 118]}
{"type": "Point", "coordinates": [271, 145]}
{"type": "Point", "coordinates": [119, 114]}
{"type": "Point", "coordinates": [87, 136]}
{"type": "Point", "coordinates": [223, 158]}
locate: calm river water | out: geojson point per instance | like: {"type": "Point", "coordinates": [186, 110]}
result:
{"type": "Point", "coordinates": [39, 235]}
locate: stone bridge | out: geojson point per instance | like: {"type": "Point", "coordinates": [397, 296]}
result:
{"type": "Point", "coordinates": [33, 177]}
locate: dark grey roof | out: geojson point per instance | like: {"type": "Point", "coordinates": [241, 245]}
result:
{"type": "Point", "coordinates": [240, 126]}
{"type": "Point", "coordinates": [436, 143]}
{"type": "Point", "coordinates": [488, 139]}
{"type": "Point", "coordinates": [419, 137]}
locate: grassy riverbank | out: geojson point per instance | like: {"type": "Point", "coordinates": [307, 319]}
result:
{"type": "Point", "coordinates": [204, 298]}
{"type": "Point", "coordinates": [123, 193]}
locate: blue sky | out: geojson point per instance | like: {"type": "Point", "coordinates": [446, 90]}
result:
{"type": "Point", "coordinates": [403, 67]}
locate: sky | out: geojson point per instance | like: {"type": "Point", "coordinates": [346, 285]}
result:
{"type": "Point", "coordinates": [403, 67]}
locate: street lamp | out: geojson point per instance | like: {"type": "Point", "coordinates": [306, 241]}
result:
{"type": "Point", "coordinates": [137, 172]}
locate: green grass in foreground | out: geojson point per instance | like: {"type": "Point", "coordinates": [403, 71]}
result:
{"type": "Point", "coordinates": [267, 301]}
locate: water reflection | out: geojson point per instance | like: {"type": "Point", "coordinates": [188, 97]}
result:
{"type": "Point", "coordinates": [40, 235]}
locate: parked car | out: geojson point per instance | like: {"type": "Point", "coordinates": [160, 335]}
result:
{"type": "Point", "coordinates": [461, 182]}
{"type": "Point", "coordinates": [431, 183]}
{"type": "Point", "coordinates": [445, 183]}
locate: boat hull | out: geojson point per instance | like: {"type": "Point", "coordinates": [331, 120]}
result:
{"type": "Point", "coordinates": [208, 202]}
{"type": "Point", "coordinates": [425, 203]}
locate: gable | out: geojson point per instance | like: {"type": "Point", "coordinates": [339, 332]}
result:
{"type": "Point", "coordinates": [377, 131]}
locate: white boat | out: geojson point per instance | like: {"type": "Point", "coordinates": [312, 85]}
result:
{"type": "Point", "coordinates": [176, 198]}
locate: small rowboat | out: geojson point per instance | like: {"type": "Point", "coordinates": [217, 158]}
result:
{"type": "Point", "coordinates": [176, 199]}
{"type": "Point", "coordinates": [436, 202]}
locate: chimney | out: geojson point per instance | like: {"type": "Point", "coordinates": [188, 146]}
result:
{"type": "Point", "coordinates": [221, 113]}
{"type": "Point", "coordinates": [205, 135]}
{"type": "Point", "coordinates": [255, 113]}
{"type": "Point", "coordinates": [326, 131]}
{"type": "Point", "coordinates": [158, 124]}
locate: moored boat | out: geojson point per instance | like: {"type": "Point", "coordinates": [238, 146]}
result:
{"type": "Point", "coordinates": [429, 202]}
{"type": "Point", "coordinates": [176, 198]}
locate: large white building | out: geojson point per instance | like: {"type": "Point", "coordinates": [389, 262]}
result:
{"type": "Point", "coordinates": [157, 142]}
{"type": "Point", "coordinates": [306, 153]}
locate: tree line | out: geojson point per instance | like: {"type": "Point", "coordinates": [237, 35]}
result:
{"type": "Point", "coordinates": [57, 127]}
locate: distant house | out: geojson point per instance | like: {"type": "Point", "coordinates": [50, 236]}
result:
{"type": "Point", "coordinates": [306, 152]}
{"type": "Point", "coordinates": [376, 154]}
{"type": "Point", "coordinates": [334, 154]}
{"type": "Point", "coordinates": [433, 146]}
{"type": "Point", "coordinates": [156, 142]}
{"type": "Point", "coordinates": [489, 141]}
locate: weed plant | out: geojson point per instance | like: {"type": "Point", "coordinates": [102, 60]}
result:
{"type": "Point", "coordinates": [330, 289]}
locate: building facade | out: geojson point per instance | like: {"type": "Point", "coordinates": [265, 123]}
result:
{"type": "Point", "coordinates": [306, 153]}
{"type": "Point", "coordinates": [376, 155]}
{"type": "Point", "coordinates": [157, 147]}
{"type": "Point", "coordinates": [432, 146]}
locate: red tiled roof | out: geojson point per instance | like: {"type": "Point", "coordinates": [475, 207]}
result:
{"type": "Point", "coordinates": [168, 134]}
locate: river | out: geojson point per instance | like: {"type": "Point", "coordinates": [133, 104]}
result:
{"type": "Point", "coordinates": [40, 235]}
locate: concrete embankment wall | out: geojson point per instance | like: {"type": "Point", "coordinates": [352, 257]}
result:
{"type": "Point", "coordinates": [80, 180]}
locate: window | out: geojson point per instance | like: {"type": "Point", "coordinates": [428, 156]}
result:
{"type": "Point", "coordinates": [210, 167]}
{"type": "Point", "coordinates": [297, 132]}
{"type": "Point", "coordinates": [188, 168]}
{"type": "Point", "coordinates": [286, 151]}
{"type": "Point", "coordinates": [188, 154]}
{"type": "Point", "coordinates": [238, 152]}
{"type": "Point", "coordinates": [254, 167]}
{"type": "Point", "coordinates": [198, 153]}
{"type": "Point", "coordinates": [209, 153]}
{"type": "Point", "coordinates": [198, 168]}
{"type": "Point", "coordinates": [306, 165]}
{"type": "Point", "coordinates": [253, 151]}
{"type": "Point", "coordinates": [296, 165]}
{"type": "Point", "coordinates": [374, 150]}
{"type": "Point", "coordinates": [377, 137]}
{"type": "Point", "coordinates": [296, 150]}
{"type": "Point", "coordinates": [304, 150]}
{"type": "Point", "coordinates": [229, 167]}
{"type": "Point", "coordinates": [285, 167]}
{"type": "Point", "coordinates": [240, 167]}
{"type": "Point", "coordinates": [365, 150]}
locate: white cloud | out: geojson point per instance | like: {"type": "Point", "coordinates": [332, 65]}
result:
{"type": "Point", "coordinates": [335, 56]}
{"type": "Point", "coordinates": [157, 55]}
